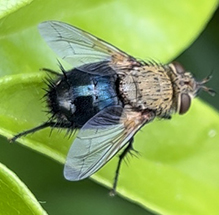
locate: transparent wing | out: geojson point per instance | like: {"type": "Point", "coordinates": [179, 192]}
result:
{"type": "Point", "coordinates": [77, 46]}
{"type": "Point", "coordinates": [99, 140]}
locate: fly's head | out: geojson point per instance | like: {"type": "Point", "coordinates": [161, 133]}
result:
{"type": "Point", "coordinates": [185, 87]}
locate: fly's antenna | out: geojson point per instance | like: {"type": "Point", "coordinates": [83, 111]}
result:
{"type": "Point", "coordinates": [201, 85]}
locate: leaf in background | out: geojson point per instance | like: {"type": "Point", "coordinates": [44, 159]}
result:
{"type": "Point", "coordinates": [177, 170]}
{"type": "Point", "coordinates": [146, 29]}
{"type": "Point", "coordinates": [15, 198]}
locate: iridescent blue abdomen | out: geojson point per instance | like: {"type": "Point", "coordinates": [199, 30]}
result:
{"type": "Point", "coordinates": [77, 96]}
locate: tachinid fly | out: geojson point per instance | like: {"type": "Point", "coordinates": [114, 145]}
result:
{"type": "Point", "coordinates": [109, 95]}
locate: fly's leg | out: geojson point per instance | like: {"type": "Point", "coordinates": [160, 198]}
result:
{"type": "Point", "coordinates": [40, 127]}
{"type": "Point", "coordinates": [124, 153]}
{"type": "Point", "coordinates": [147, 116]}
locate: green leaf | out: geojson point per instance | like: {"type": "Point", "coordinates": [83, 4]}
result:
{"type": "Point", "coordinates": [157, 30]}
{"type": "Point", "coordinates": [177, 171]}
{"type": "Point", "coordinates": [10, 6]}
{"type": "Point", "coordinates": [15, 197]}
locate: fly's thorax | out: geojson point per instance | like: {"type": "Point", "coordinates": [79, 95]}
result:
{"type": "Point", "coordinates": [147, 87]}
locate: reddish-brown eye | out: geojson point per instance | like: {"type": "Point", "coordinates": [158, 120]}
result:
{"type": "Point", "coordinates": [185, 102]}
{"type": "Point", "coordinates": [179, 68]}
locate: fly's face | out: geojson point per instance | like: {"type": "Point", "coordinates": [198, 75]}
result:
{"type": "Point", "coordinates": [185, 87]}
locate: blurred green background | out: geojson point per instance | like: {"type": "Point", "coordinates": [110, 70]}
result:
{"type": "Point", "coordinates": [87, 197]}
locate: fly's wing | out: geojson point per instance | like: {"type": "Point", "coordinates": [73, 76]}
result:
{"type": "Point", "coordinates": [78, 47]}
{"type": "Point", "coordinates": [100, 139]}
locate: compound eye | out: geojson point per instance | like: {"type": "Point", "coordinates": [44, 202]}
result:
{"type": "Point", "coordinates": [179, 68]}
{"type": "Point", "coordinates": [184, 103]}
